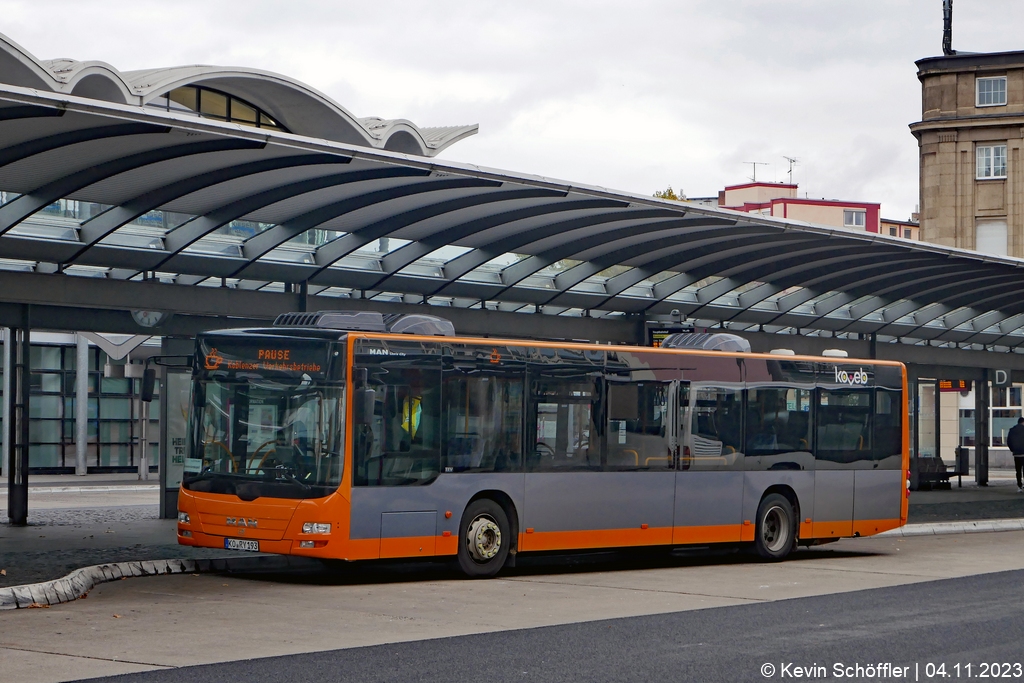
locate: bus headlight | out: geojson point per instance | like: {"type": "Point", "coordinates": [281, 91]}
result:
{"type": "Point", "coordinates": [183, 518]}
{"type": "Point", "coordinates": [316, 528]}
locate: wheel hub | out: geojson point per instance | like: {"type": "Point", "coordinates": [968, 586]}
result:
{"type": "Point", "coordinates": [483, 539]}
{"type": "Point", "coordinates": [774, 533]}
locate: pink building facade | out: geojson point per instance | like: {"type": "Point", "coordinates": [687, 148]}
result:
{"type": "Point", "coordinates": [780, 200]}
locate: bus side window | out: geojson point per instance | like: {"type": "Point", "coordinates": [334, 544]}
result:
{"type": "Point", "coordinates": [483, 417]}
{"type": "Point", "coordinates": [401, 445]}
{"type": "Point", "coordinates": [778, 425]}
{"type": "Point", "coordinates": [716, 429]}
{"type": "Point", "coordinates": [637, 435]}
{"type": "Point", "coordinates": [844, 426]}
{"type": "Point", "coordinates": [888, 429]}
{"type": "Point", "coordinates": [565, 436]}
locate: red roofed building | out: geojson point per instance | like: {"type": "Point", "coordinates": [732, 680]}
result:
{"type": "Point", "coordinates": [781, 201]}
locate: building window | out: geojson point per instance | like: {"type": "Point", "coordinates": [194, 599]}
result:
{"type": "Point", "coordinates": [991, 91]}
{"type": "Point", "coordinates": [907, 233]}
{"type": "Point", "coordinates": [214, 104]}
{"type": "Point", "coordinates": [854, 219]}
{"type": "Point", "coordinates": [991, 161]}
{"type": "Point", "coordinates": [894, 232]}
{"type": "Point", "coordinates": [990, 236]}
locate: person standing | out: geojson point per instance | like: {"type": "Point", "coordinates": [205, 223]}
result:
{"type": "Point", "coordinates": [1015, 442]}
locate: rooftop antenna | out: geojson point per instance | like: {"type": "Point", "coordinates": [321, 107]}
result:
{"type": "Point", "coordinates": [947, 28]}
{"type": "Point", "coordinates": [792, 162]}
{"type": "Point", "coordinates": [755, 164]}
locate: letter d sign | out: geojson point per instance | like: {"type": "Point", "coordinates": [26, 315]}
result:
{"type": "Point", "coordinates": [1001, 378]}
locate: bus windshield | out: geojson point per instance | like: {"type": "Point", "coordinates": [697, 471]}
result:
{"type": "Point", "coordinates": [280, 438]}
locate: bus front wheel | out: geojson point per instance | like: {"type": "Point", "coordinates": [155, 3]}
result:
{"type": "Point", "coordinates": [484, 539]}
{"type": "Point", "coordinates": [775, 535]}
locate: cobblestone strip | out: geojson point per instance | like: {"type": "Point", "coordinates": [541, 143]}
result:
{"type": "Point", "coordinates": [966, 527]}
{"type": "Point", "coordinates": [81, 581]}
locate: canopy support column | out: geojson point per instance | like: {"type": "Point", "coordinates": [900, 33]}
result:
{"type": "Point", "coordinates": [81, 404]}
{"type": "Point", "coordinates": [17, 365]}
{"type": "Point", "coordinates": [981, 429]}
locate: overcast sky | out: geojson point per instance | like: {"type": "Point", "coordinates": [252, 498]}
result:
{"type": "Point", "coordinates": [633, 95]}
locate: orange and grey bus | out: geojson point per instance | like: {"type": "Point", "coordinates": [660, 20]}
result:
{"type": "Point", "coordinates": [359, 436]}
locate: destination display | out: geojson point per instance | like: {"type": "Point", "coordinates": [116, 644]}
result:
{"type": "Point", "coordinates": [263, 356]}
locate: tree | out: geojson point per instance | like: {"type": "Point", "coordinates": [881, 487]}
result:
{"type": "Point", "coordinates": [669, 193]}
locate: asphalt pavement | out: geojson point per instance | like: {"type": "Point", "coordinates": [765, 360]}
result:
{"type": "Point", "coordinates": [940, 630]}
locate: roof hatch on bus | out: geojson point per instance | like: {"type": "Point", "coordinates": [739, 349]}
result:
{"type": "Point", "coordinates": [370, 321]}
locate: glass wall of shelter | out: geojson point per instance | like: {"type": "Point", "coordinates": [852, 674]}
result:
{"type": "Point", "coordinates": [945, 419]}
{"type": "Point", "coordinates": [113, 414]}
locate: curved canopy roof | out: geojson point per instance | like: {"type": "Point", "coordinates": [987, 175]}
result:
{"type": "Point", "coordinates": [121, 192]}
{"type": "Point", "coordinates": [300, 108]}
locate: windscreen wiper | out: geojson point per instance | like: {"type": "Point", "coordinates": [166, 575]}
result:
{"type": "Point", "coordinates": [209, 474]}
{"type": "Point", "coordinates": [288, 475]}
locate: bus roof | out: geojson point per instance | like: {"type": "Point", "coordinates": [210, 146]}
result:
{"type": "Point", "coordinates": [314, 333]}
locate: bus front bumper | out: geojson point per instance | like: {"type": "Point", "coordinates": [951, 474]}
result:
{"type": "Point", "coordinates": [312, 547]}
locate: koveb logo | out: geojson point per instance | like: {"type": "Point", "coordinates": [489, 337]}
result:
{"type": "Point", "coordinates": [853, 378]}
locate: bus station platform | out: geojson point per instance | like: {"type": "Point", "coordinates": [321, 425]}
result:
{"type": "Point", "coordinates": [99, 519]}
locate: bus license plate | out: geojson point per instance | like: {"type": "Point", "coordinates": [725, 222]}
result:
{"type": "Point", "coordinates": [239, 544]}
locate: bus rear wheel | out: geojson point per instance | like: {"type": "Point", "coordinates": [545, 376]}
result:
{"type": "Point", "coordinates": [775, 535]}
{"type": "Point", "coordinates": [484, 539]}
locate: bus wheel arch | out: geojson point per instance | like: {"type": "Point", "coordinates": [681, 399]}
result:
{"type": "Point", "coordinates": [488, 531]}
{"type": "Point", "coordinates": [776, 527]}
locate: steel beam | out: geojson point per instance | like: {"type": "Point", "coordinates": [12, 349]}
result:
{"type": "Point", "coordinates": [98, 227]}
{"type": "Point", "coordinates": [572, 244]}
{"type": "Point", "coordinates": [14, 212]}
{"type": "Point", "coordinates": [188, 233]}
{"type": "Point", "coordinates": [267, 241]}
{"type": "Point", "coordinates": [511, 240]}
{"type": "Point", "coordinates": [108, 304]}
{"type": "Point", "coordinates": [29, 111]}
{"type": "Point", "coordinates": [30, 148]}
{"type": "Point", "coordinates": [621, 241]}
{"type": "Point", "coordinates": [336, 250]}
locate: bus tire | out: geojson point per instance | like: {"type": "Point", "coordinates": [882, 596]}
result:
{"type": "Point", "coordinates": [484, 539]}
{"type": "Point", "coordinates": [775, 534]}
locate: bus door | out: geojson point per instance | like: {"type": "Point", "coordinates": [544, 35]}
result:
{"type": "Point", "coordinates": [779, 429]}
{"type": "Point", "coordinates": [640, 454]}
{"type": "Point", "coordinates": [709, 479]}
{"type": "Point", "coordinates": [600, 471]}
{"type": "Point", "coordinates": [563, 487]}
{"type": "Point", "coordinates": [844, 445]}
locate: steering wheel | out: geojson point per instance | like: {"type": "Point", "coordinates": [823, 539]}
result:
{"type": "Point", "coordinates": [223, 446]}
{"type": "Point", "coordinates": [545, 449]}
{"type": "Point", "coordinates": [259, 465]}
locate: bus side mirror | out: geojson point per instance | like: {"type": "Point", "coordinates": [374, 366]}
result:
{"type": "Point", "coordinates": [362, 409]}
{"type": "Point", "coordinates": [148, 385]}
